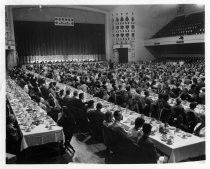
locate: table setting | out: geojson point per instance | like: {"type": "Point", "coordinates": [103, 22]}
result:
{"type": "Point", "coordinates": [32, 120]}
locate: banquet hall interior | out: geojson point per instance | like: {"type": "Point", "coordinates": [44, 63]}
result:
{"type": "Point", "coordinates": [105, 84]}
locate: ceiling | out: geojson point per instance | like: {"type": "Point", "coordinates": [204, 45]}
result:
{"type": "Point", "coordinates": [106, 8]}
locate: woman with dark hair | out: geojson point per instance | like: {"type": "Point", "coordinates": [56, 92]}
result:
{"type": "Point", "coordinates": [68, 123]}
{"type": "Point", "coordinates": [108, 119]}
{"type": "Point", "coordinates": [136, 132]}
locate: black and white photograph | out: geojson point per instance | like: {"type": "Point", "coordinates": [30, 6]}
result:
{"type": "Point", "coordinates": [107, 84]}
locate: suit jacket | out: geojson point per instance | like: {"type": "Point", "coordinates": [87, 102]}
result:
{"type": "Point", "coordinates": [116, 126]}
{"type": "Point", "coordinates": [45, 91]}
{"type": "Point", "coordinates": [96, 118]}
{"type": "Point", "coordinates": [149, 150]}
{"type": "Point", "coordinates": [68, 124]}
{"type": "Point", "coordinates": [76, 106]}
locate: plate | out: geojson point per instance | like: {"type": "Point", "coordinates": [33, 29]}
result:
{"type": "Point", "coordinates": [172, 128]}
{"type": "Point", "coordinates": [169, 143]}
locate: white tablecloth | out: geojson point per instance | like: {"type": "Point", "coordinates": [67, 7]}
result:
{"type": "Point", "coordinates": [40, 135]}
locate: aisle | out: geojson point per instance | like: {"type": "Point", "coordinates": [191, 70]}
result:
{"type": "Point", "coordinates": [88, 151]}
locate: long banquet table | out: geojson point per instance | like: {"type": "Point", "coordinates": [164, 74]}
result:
{"type": "Point", "coordinates": [36, 126]}
{"type": "Point", "coordinates": [183, 146]}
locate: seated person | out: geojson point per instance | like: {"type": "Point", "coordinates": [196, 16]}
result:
{"type": "Point", "coordinates": [54, 107]}
{"type": "Point", "coordinates": [108, 119]}
{"type": "Point", "coordinates": [150, 153]}
{"type": "Point", "coordinates": [178, 113]}
{"type": "Point", "coordinates": [96, 118]}
{"type": "Point", "coordinates": [201, 96]}
{"type": "Point", "coordinates": [89, 105]}
{"type": "Point", "coordinates": [13, 136]}
{"type": "Point", "coordinates": [185, 95]}
{"type": "Point", "coordinates": [116, 125]}
{"type": "Point", "coordinates": [191, 122]}
{"type": "Point", "coordinates": [41, 104]}
{"type": "Point", "coordinates": [136, 131]}
{"type": "Point", "coordinates": [199, 129]}
{"type": "Point", "coordinates": [192, 107]}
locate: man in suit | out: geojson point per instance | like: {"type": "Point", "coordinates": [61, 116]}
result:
{"type": "Point", "coordinates": [79, 111]}
{"type": "Point", "coordinates": [150, 153]}
{"type": "Point", "coordinates": [116, 125]}
{"type": "Point", "coordinates": [67, 96]}
{"type": "Point", "coordinates": [68, 100]}
{"type": "Point", "coordinates": [44, 90]}
{"type": "Point", "coordinates": [96, 118]}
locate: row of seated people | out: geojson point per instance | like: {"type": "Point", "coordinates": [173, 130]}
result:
{"type": "Point", "coordinates": [181, 25]}
{"type": "Point", "coordinates": [182, 31]}
{"type": "Point", "coordinates": [132, 146]}
{"type": "Point", "coordinates": [185, 59]}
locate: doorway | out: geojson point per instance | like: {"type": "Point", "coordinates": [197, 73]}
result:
{"type": "Point", "coordinates": [123, 55]}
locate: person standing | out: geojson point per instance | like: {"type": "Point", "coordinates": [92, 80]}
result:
{"type": "Point", "coordinates": [66, 120]}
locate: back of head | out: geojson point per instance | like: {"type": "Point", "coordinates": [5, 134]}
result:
{"type": "Point", "coordinates": [178, 101]}
{"type": "Point", "coordinates": [108, 116]}
{"type": "Point", "coordinates": [147, 128]}
{"type": "Point", "coordinates": [90, 104]}
{"type": "Point", "coordinates": [65, 110]}
{"type": "Point", "coordinates": [146, 93]}
{"type": "Point", "coordinates": [75, 93]}
{"type": "Point", "coordinates": [117, 115]}
{"type": "Point", "coordinates": [37, 98]}
{"type": "Point", "coordinates": [191, 116]}
{"type": "Point", "coordinates": [68, 92]}
{"type": "Point", "coordinates": [193, 105]}
{"type": "Point", "coordinates": [98, 106]}
{"type": "Point", "coordinates": [139, 122]}
{"type": "Point", "coordinates": [81, 95]}
{"type": "Point", "coordinates": [10, 119]}
{"type": "Point", "coordinates": [61, 92]}
{"type": "Point", "coordinates": [54, 83]}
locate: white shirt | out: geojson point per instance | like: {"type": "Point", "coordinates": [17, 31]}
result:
{"type": "Point", "coordinates": [84, 88]}
{"type": "Point", "coordinates": [132, 132]}
{"type": "Point", "coordinates": [26, 89]}
{"type": "Point", "coordinates": [202, 130]}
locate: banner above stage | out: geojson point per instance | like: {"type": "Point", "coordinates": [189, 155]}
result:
{"type": "Point", "coordinates": [64, 21]}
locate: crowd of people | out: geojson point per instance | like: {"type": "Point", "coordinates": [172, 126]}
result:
{"type": "Point", "coordinates": [123, 85]}
{"type": "Point", "coordinates": [184, 81]}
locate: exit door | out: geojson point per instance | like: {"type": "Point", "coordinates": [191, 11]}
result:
{"type": "Point", "coordinates": [123, 55]}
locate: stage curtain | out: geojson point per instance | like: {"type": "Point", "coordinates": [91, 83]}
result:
{"type": "Point", "coordinates": [44, 38]}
